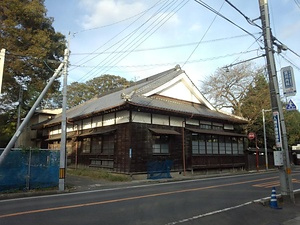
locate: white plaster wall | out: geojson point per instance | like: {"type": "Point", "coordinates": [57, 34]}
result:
{"type": "Point", "coordinates": [109, 119]}
{"type": "Point", "coordinates": [176, 121]}
{"type": "Point", "coordinates": [160, 119]}
{"type": "Point", "coordinates": [141, 117]}
{"type": "Point", "coordinates": [122, 117]}
{"type": "Point", "coordinates": [97, 121]}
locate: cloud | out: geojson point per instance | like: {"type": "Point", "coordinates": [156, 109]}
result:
{"type": "Point", "coordinates": [104, 12]}
{"type": "Point", "coordinates": [195, 27]}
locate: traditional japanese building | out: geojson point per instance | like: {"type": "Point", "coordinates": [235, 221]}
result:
{"type": "Point", "coordinates": [160, 118]}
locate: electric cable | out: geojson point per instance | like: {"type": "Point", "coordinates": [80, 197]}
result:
{"type": "Point", "coordinates": [219, 14]}
{"type": "Point", "coordinates": [297, 3]}
{"type": "Point", "coordinates": [246, 17]}
{"type": "Point", "coordinates": [127, 37]}
{"type": "Point", "coordinates": [289, 61]}
{"type": "Point", "coordinates": [203, 36]}
{"type": "Point", "coordinates": [167, 47]}
{"type": "Point", "coordinates": [145, 32]}
{"type": "Point", "coordinates": [117, 35]}
{"type": "Point", "coordinates": [152, 30]}
{"type": "Point", "coordinates": [120, 21]}
{"type": "Point", "coordinates": [173, 63]}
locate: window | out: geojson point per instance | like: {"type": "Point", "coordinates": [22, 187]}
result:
{"type": "Point", "coordinates": [86, 145]}
{"type": "Point", "coordinates": [215, 144]}
{"type": "Point", "coordinates": [195, 144]}
{"type": "Point", "coordinates": [198, 144]}
{"type": "Point", "coordinates": [228, 145]}
{"type": "Point", "coordinates": [161, 144]}
{"type": "Point", "coordinates": [205, 125]}
{"type": "Point", "coordinates": [217, 126]}
{"type": "Point", "coordinates": [108, 144]}
{"type": "Point", "coordinates": [209, 144]}
{"type": "Point", "coordinates": [96, 144]}
{"type": "Point", "coordinates": [222, 145]}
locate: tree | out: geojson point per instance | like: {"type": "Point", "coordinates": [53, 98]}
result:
{"type": "Point", "coordinates": [225, 88]}
{"type": "Point", "coordinates": [257, 98]}
{"type": "Point", "coordinates": [292, 120]}
{"type": "Point", "coordinates": [30, 42]}
{"type": "Point", "coordinates": [81, 92]}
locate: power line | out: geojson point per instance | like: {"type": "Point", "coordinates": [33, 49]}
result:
{"type": "Point", "coordinates": [246, 17]}
{"type": "Point", "coordinates": [166, 47]}
{"type": "Point", "coordinates": [172, 63]}
{"type": "Point", "coordinates": [247, 49]}
{"type": "Point", "coordinates": [219, 14]}
{"type": "Point", "coordinates": [117, 36]}
{"type": "Point", "coordinates": [203, 36]}
{"type": "Point", "coordinates": [297, 3]}
{"type": "Point", "coordinates": [289, 61]}
{"type": "Point", "coordinates": [127, 37]}
{"type": "Point", "coordinates": [120, 21]}
{"type": "Point", "coordinates": [151, 31]}
{"type": "Point", "coordinates": [141, 37]}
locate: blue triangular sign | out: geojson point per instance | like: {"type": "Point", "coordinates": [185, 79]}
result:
{"type": "Point", "coordinates": [291, 105]}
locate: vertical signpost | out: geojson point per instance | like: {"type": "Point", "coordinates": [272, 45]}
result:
{"type": "Point", "coordinates": [277, 129]}
{"type": "Point", "coordinates": [288, 81]}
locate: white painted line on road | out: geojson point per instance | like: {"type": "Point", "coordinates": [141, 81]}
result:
{"type": "Point", "coordinates": [209, 214]}
{"type": "Point", "coordinates": [223, 210]}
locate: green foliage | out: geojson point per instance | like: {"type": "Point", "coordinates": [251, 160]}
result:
{"type": "Point", "coordinates": [30, 42]}
{"type": "Point", "coordinates": [292, 122]}
{"type": "Point", "coordinates": [257, 98]}
{"type": "Point", "coordinates": [82, 92]}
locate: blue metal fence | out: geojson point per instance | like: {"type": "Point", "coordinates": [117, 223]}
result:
{"type": "Point", "coordinates": [159, 169]}
{"type": "Point", "coordinates": [29, 169]}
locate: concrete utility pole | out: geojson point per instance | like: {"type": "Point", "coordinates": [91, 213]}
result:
{"type": "Point", "coordinates": [29, 115]}
{"type": "Point", "coordinates": [281, 141]}
{"type": "Point", "coordinates": [62, 163]}
{"type": "Point", "coordinates": [2, 58]}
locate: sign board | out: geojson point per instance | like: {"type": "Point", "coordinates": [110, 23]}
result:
{"type": "Point", "coordinates": [278, 158]}
{"type": "Point", "coordinates": [251, 135]}
{"type": "Point", "coordinates": [277, 131]}
{"type": "Point", "coordinates": [288, 81]}
{"type": "Point", "coordinates": [291, 106]}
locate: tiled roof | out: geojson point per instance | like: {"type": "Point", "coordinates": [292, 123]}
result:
{"type": "Point", "coordinates": [135, 95]}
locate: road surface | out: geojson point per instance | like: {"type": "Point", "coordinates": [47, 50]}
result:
{"type": "Point", "coordinates": [219, 200]}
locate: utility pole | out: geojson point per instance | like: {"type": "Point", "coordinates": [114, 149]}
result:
{"type": "Point", "coordinates": [2, 58]}
{"type": "Point", "coordinates": [29, 115]}
{"type": "Point", "coordinates": [62, 164]}
{"type": "Point", "coordinates": [279, 126]}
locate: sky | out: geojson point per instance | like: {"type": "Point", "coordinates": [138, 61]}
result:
{"type": "Point", "coordinates": [135, 39]}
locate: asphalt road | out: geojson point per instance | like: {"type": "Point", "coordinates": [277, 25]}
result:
{"type": "Point", "coordinates": [219, 200]}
